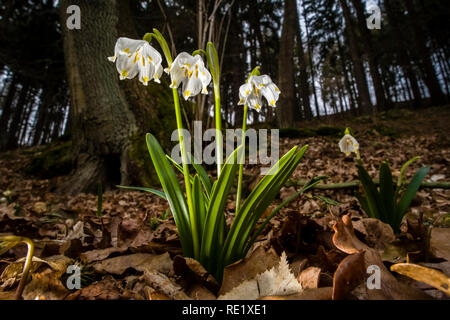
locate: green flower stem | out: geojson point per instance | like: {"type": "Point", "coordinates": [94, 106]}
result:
{"type": "Point", "coordinates": [241, 163]}
{"type": "Point", "coordinates": [219, 142]}
{"type": "Point", "coordinates": [184, 160]}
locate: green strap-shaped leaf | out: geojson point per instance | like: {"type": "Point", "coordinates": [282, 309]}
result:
{"type": "Point", "coordinates": [154, 191]}
{"type": "Point", "coordinates": [314, 181]}
{"type": "Point", "coordinates": [256, 203]}
{"type": "Point", "coordinates": [173, 192]}
{"type": "Point", "coordinates": [409, 195]}
{"type": "Point", "coordinates": [401, 176]}
{"type": "Point", "coordinates": [371, 193]}
{"type": "Point", "coordinates": [387, 192]}
{"type": "Point", "coordinates": [198, 204]}
{"type": "Point", "coordinates": [212, 238]}
{"type": "Point", "coordinates": [203, 175]}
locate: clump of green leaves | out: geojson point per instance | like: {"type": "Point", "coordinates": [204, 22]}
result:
{"type": "Point", "coordinates": [389, 203]}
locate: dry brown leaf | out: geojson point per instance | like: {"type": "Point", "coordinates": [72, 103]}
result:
{"type": "Point", "coordinates": [190, 270]}
{"type": "Point", "coordinates": [246, 269]}
{"type": "Point", "coordinates": [308, 294]}
{"type": "Point", "coordinates": [309, 278]}
{"type": "Point", "coordinates": [162, 283]}
{"type": "Point", "coordinates": [350, 272]}
{"type": "Point", "coordinates": [277, 281]}
{"type": "Point", "coordinates": [198, 292]}
{"type": "Point", "coordinates": [420, 273]}
{"type": "Point", "coordinates": [345, 239]}
{"type": "Point", "coordinates": [440, 242]}
{"type": "Point", "coordinates": [138, 261]}
{"type": "Point", "coordinates": [100, 254]}
{"type": "Point", "coordinates": [45, 286]}
{"type": "Point", "coordinates": [106, 289]}
{"type": "Point", "coordinates": [377, 233]}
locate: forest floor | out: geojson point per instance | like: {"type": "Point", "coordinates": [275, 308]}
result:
{"type": "Point", "coordinates": [132, 250]}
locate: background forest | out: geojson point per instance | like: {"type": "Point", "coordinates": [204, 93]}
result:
{"type": "Point", "coordinates": [55, 83]}
{"type": "Point", "coordinates": [370, 105]}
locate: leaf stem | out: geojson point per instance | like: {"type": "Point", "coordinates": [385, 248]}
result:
{"type": "Point", "coordinates": [219, 140]}
{"type": "Point", "coordinates": [241, 161]}
{"type": "Point", "coordinates": [184, 160]}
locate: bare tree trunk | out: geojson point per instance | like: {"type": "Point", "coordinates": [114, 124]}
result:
{"type": "Point", "coordinates": [365, 36]}
{"type": "Point", "coordinates": [287, 110]}
{"type": "Point", "coordinates": [102, 119]}
{"type": "Point", "coordinates": [303, 85]}
{"type": "Point", "coordinates": [404, 58]}
{"type": "Point", "coordinates": [358, 67]}
{"type": "Point", "coordinates": [430, 78]}
{"type": "Point", "coordinates": [6, 112]}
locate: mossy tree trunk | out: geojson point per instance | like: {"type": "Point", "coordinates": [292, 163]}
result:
{"type": "Point", "coordinates": [105, 115]}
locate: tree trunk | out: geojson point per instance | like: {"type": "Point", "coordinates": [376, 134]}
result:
{"type": "Point", "coordinates": [102, 119]}
{"type": "Point", "coordinates": [6, 112]}
{"type": "Point", "coordinates": [14, 128]}
{"type": "Point", "coordinates": [303, 85]}
{"type": "Point", "coordinates": [365, 36]}
{"type": "Point", "coordinates": [404, 58]}
{"type": "Point", "coordinates": [287, 110]}
{"type": "Point", "coordinates": [358, 67]}
{"type": "Point", "coordinates": [430, 78]}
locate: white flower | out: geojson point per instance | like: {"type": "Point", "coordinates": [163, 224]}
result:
{"type": "Point", "coordinates": [256, 88]}
{"type": "Point", "coordinates": [348, 144]}
{"type": "Point", "coordinates": [135, 57]}
{"type": "Point", "coordinates": [191, 72]}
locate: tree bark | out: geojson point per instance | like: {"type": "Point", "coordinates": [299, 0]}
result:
{"type": "Point", "coordinates": [404, 58]}
{"type": "Point", "coordinates": [102, 121]}
{"type": "Point", "coordinates": [6, 112]}
{"type": "Point", "coordinates": [287, 110]}
{"type": "Point", "coordinates": [365, 36]}
{"type": "Point", "coordinates": [303, 85]}
{"type": "Point", "coordinates": [358, 67]}
{"type": "Point", "coordinates": [430, 78]}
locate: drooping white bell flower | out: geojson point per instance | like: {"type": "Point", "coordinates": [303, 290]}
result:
{"type": "Point", "coordinates": [348, 144]}
{"type": "Point", "coordinates": [256, 88]}
{"type": "Point", "coordinates": [137, 57]}
{"type": "Point", "coordinates": [191, 72]}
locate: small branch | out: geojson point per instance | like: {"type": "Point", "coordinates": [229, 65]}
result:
{"type": "Point", "coordinates": [355, 184]}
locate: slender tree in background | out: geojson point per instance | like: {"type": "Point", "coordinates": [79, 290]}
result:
{"type": "Point", "coordinates": [288, 110]}
{"type": "Point", "coordinates": [415, 22]}
{"type": "Point", "coordinates": [358, 67]}
{"type": "Point", "coordinates": [370, 53]}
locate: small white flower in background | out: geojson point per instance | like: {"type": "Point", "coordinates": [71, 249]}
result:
{"type": "Point", "coordinates": [137, 57]}
{"type": "Point", "coordinates": [191, 72]}
{"type": "Point", "coordinates": [256, 88]}
{"type": "Point", "coordinates": [348, 144]}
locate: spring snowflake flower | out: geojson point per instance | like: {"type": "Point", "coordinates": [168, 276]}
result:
{"type": "Point", "coordinates": [191, 72]}
{"type": "Point", "coordinates": [137, 57]}
{"type": "Point", "coordinates": [256, 88]}
{"type": "Point", "coordinates": [348, 144]}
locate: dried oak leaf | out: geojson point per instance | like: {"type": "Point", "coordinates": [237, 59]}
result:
{"type": "Point", "coordinates": [307, 294]}
{"type": "Point", "coordinates": [138, 261]}
{"type": "Point", "coordinates": [45, 286]}
{"type": "Point", "coordinates": [349, 274]}
{"type": "Point", "coordinates": [309, 278]}
{"type": "Point", "coordinates": [164, 285]}
{"type": "Point", "coordinates": [439, 243]}
{"type": "Point", "coordinates": [100, 254]}
{"type": "Point", "coordinates": [277, 281]}
{"type": "Point", "coordinates": [420, 273]}
{"type": "Point", "coordinates": [190, 270]}
{"type": "Point", "coordinates": [345, 240]}
{"type": "Point", "coordinates": [259, 261]}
